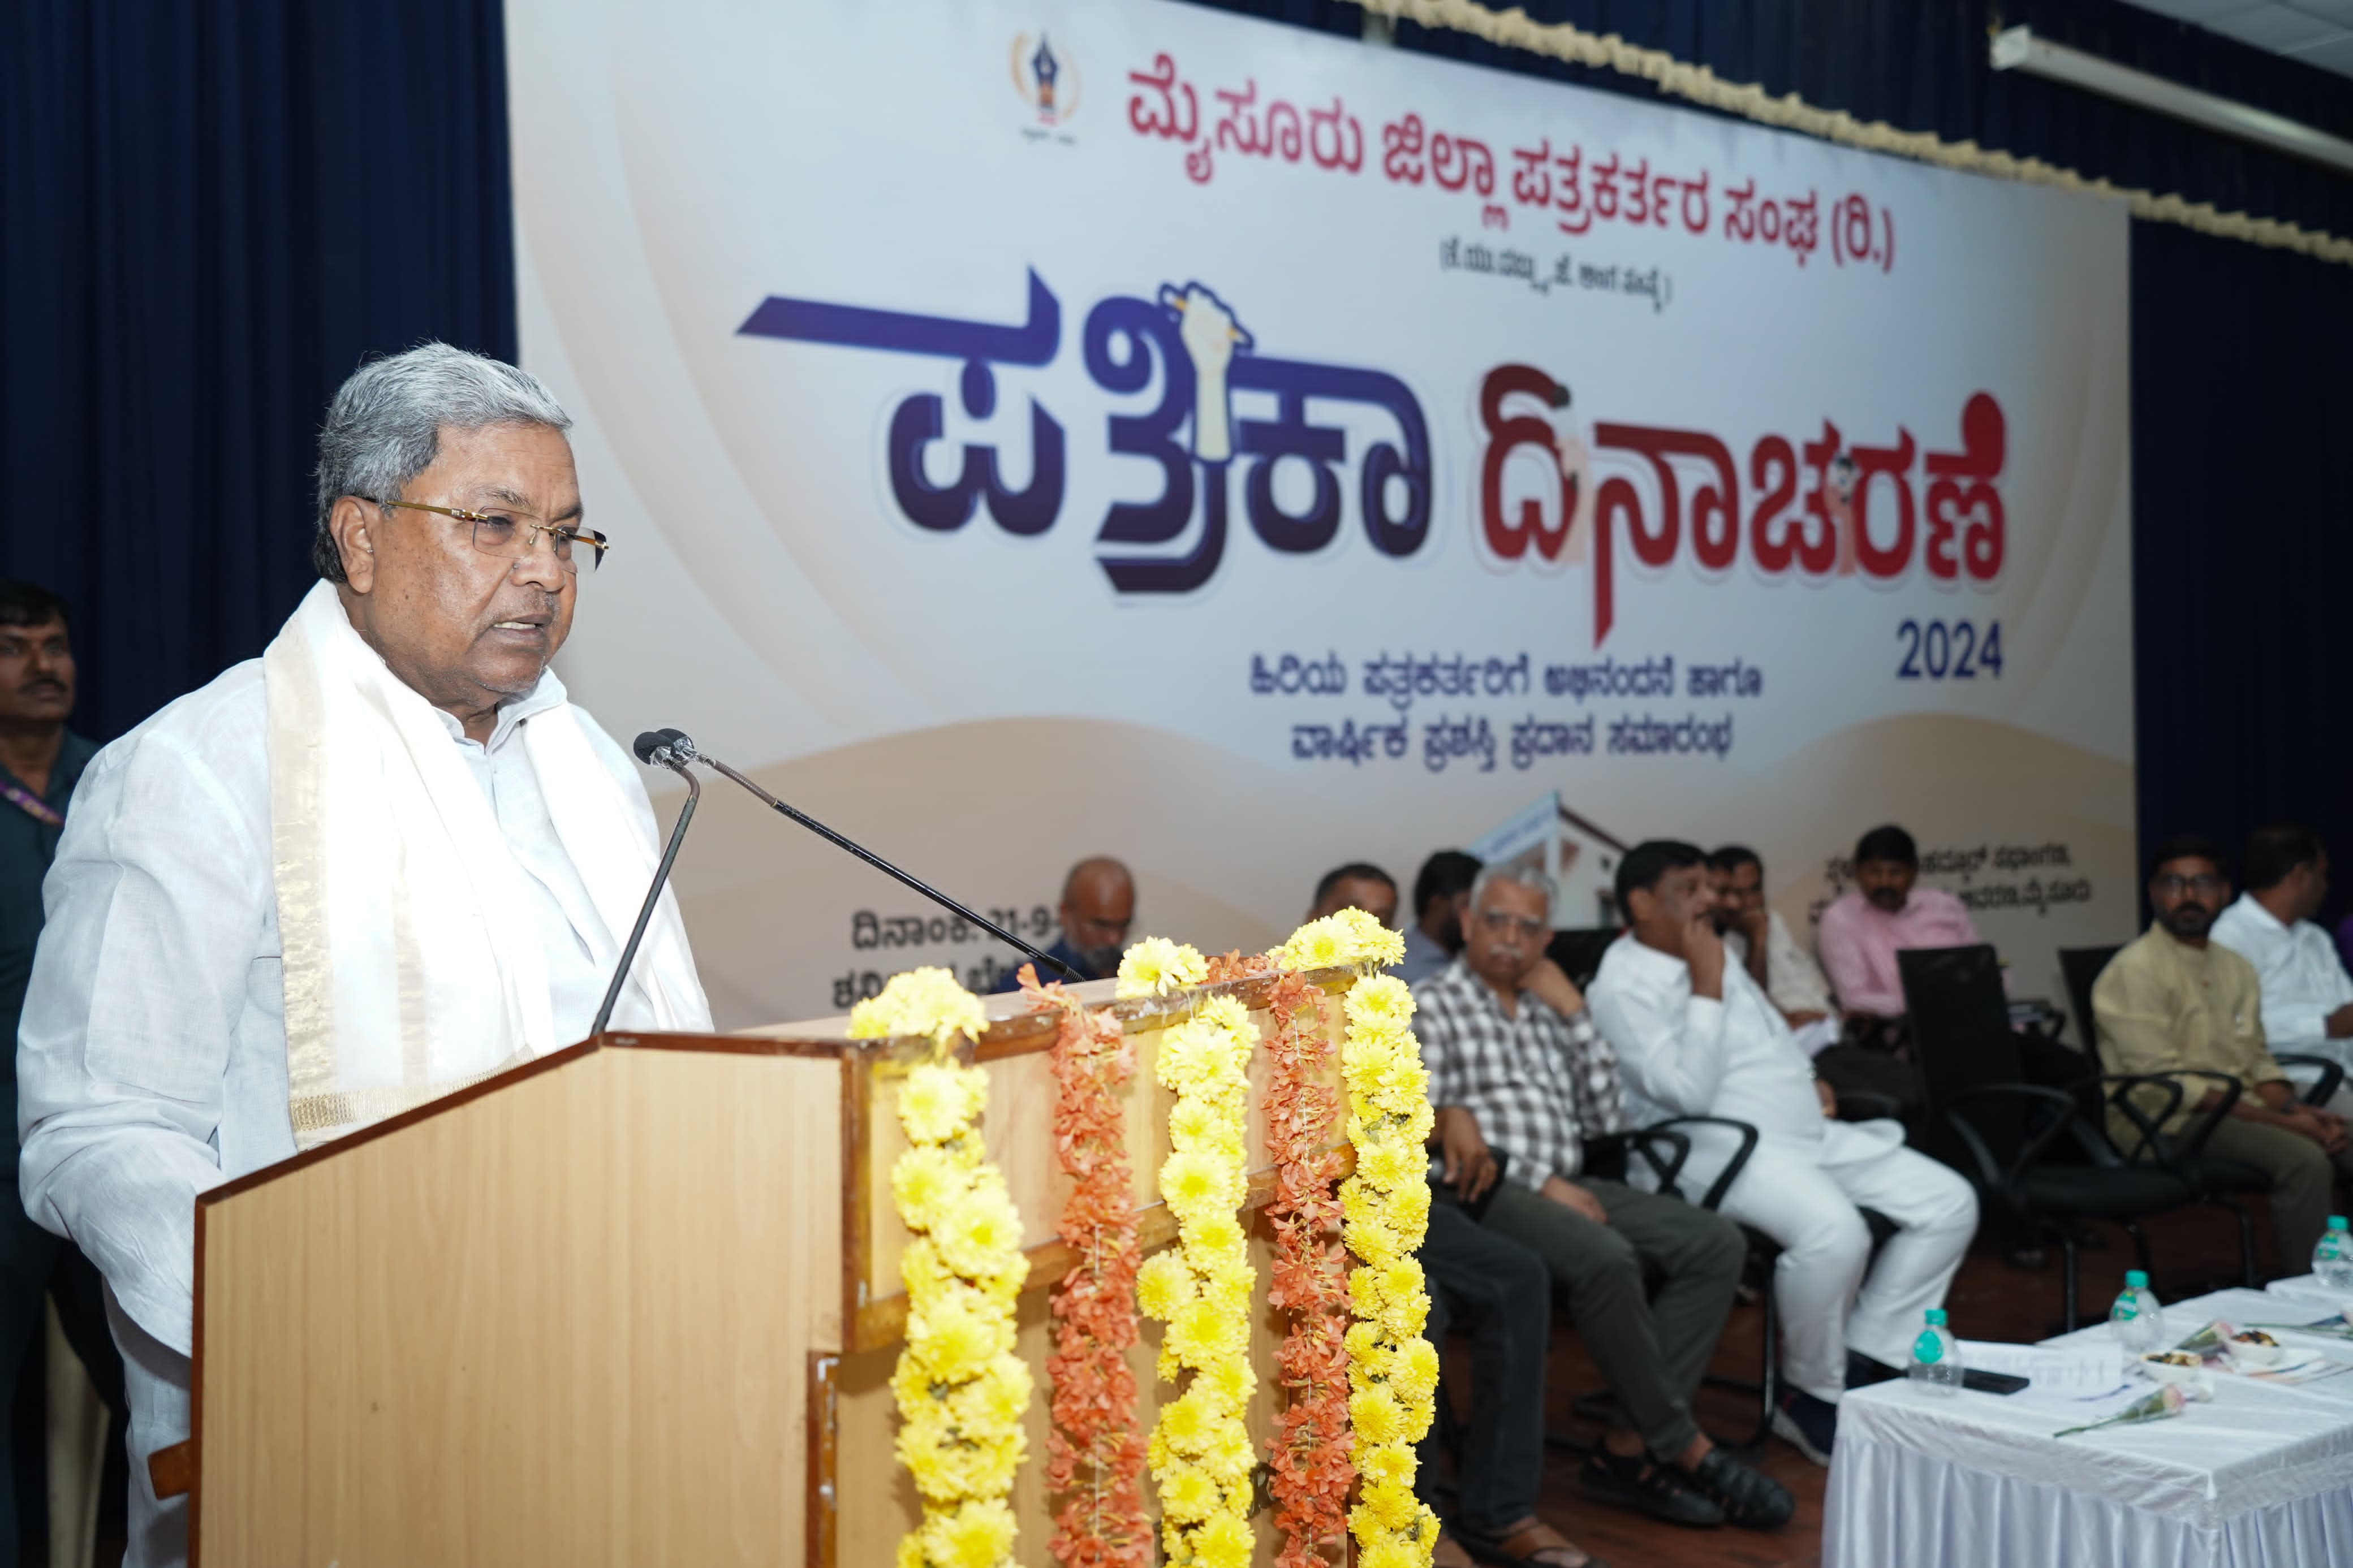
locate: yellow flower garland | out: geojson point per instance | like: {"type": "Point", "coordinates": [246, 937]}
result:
{"type": "Point", "coordinates": [960, 1388]}
{"type": "Point", "coordinates": [1385, 1208]}
{"type": "Point", "coordinates": [1200, 1448]}
{"type": "Point", "coordinates": [1350, 937]}
{"type": "Point", "coordinates": [1155, 966]}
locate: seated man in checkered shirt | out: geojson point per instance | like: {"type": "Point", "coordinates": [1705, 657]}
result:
{"type": "Point", "coordinates": [1517, 1070]}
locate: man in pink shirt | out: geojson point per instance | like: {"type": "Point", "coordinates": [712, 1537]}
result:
{"type": "Point", "coordinates": [1863, 931]}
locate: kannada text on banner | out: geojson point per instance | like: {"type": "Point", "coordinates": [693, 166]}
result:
{"type": "Point", "coordinates": [1040, 430]}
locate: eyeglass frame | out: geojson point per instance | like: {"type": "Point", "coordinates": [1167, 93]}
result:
{"type": "Point", "coordinates": [1501, 921]}
{"type": "Point", "coordinates": [573, 531]}
{"type": "Point", "coordinates": [2174, 884]}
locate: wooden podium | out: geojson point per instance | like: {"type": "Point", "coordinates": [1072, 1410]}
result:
{"type": "Point", "coordinates": [635, 1303]}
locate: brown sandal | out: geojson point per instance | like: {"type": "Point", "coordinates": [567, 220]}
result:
{"type": "Point", "coordinates": [1527, 1547]}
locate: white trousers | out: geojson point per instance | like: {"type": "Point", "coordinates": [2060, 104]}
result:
{"type": "Point", "coordinates": [1806, 1197]}
{"type": "Point", "coordinates": [155, 1383]}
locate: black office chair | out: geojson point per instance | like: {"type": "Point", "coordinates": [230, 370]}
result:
{"type": "Point", "coordinates": [2327, 1076]}
{"type": "Point", "coordinates": [2005, 1134]}
{"type": "Point", "coordinates": [1764, 1253]}
{"type": "Point", "coordinates": [2083, 965]}
{"type": "Point", "coordinates": [1962, 1037]}
{"type": "Point", "coordinates": [2080, 967]}
{"type": "Point", "coordinates": [2215, 1176]}
{"type": "Point", "coordinates": [2007, 1130]}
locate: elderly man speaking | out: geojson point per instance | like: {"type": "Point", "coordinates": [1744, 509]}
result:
{"type": "Point", "coordinates": [384, 860]}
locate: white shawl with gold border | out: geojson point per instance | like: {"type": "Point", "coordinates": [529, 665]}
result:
{"type": "Point", "coordinates": [407, 975]}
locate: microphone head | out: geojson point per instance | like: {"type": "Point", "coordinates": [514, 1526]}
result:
{"type": "Point", "coordinates": [663, 748]}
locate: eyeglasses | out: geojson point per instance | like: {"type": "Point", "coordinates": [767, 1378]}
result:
{"type": "Point", "coordinates": [2170, 885]}
{"type": "Point", "coordinates": [512, 537]}
{"type": "Point", "coordinates": [1502, 922]}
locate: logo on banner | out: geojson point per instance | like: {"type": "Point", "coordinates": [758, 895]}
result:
{"type": "Point", "coordinates": [1047, 80]}
{"type": "Point", "coordinates": [1190, 345]}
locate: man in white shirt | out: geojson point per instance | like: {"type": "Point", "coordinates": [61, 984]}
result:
{"type": "Point", "coordinates": [2307, 996]}
{"type": "Point", "coordinates": [1761, 940]}
{"type": "Point", "coordinates": [1696, 1036]}
{"type": "Point", "coordinates": [387, 859]}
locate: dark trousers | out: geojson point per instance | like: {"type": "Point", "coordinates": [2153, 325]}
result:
{"type": "Point", "coordinates": [33, 1264]}
{"type": "Point", "coordinates": [2303, 1178]}
{"type": "Point", "coordinates": [1502, 1292]}
{"type": "Point", "coordinates": [1653, 1348]}
{"type": "Point", "coordinates": [28, 1253]}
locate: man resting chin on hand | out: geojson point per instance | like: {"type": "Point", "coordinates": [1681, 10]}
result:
{"type": "Point", "coordinates": [1699, 1038]}
{"type": "Point", "coordinates": [1516, 1068]}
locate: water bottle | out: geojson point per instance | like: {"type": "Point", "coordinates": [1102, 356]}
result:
{"type": "Point", "coordinates": [1936, 1357]}
{"type": "Point", "coordinates": [2332, 1257]}
{"type": "Point", "coordinates": [2136, 1319]}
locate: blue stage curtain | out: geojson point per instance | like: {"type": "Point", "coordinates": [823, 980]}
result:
{"type": "Point", "coordinates": [2242, 543]}
{"type": "Point", "coordinates": [209, 215]}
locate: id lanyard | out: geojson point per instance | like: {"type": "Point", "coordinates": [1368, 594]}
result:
{"type": "Point", "coordinates": [28, 802]}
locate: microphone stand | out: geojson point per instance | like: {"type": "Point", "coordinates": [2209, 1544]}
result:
{"type": "Point", "coordinates": [664, 757]}
{"type": "Point", "coordinates": [679, 745]}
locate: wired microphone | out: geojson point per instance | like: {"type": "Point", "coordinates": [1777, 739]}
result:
{"type": "Point", "coordinates": [676, 750]}
{"type": "Point", "coordinates": [652, 750]}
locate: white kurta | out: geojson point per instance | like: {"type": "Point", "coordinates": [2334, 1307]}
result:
{"type": "Point", "coordinates": [152, 1058]}
{"type": "Point", "coordinates": [2303, 979]}
{"type": "Point", "coordinates": [1793, 978]}
{"type": "Point", "coordinates": [1685, 1055]}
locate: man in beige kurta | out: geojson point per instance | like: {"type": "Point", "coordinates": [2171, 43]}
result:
{"type": "Point", "coordinates": [2173, 1000]}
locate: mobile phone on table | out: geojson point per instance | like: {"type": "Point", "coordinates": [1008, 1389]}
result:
{"type": "Point", "coordinates": [1986, 1382]}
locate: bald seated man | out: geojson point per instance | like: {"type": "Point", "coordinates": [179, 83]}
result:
{"type": "Point", "coordinates": [1098, 906]}
{"type": "Point", "coordinates": [1359, 885]}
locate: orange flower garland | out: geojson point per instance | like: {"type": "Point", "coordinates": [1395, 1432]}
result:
{"type": "Point", "coordinates": [1094, 1453]}
{"type": "Point", "coordinates": [1309, 1452]}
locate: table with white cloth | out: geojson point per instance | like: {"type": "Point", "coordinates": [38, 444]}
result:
{"type": "Point", "coordinates": [2259, 1477]}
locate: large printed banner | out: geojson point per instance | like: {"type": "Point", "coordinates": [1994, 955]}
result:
{"type": "Point", "coordinates": [1033, 429]}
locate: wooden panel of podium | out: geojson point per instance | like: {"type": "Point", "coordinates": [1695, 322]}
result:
{"type": "Point", "coordinates": [634, 1303]}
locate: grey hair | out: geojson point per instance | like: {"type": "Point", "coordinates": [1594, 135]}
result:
{"type": "Point", "coordinates": [383, 429]}
{"type": "Point", "coordinates": [1530, 877]}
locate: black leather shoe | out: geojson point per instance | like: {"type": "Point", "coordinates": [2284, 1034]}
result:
{"type": "Point", "coordinates": [1641, 1482]}
{"type": "Point", "coordinates": [1747, 1498]}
